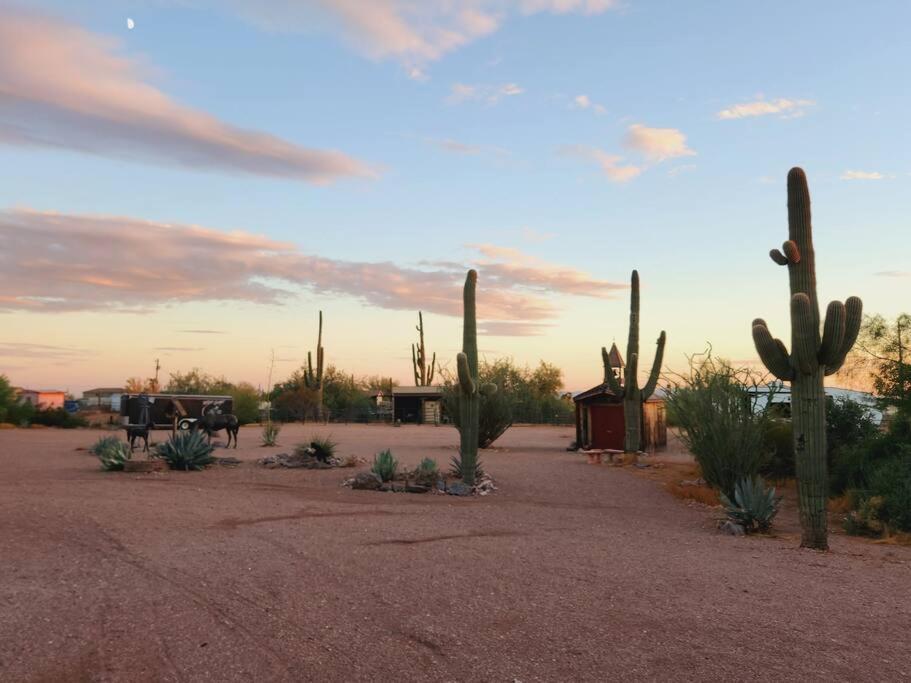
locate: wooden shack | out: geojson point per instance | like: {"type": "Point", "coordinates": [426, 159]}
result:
{"type": "Point", "coordinates": [599, 416]}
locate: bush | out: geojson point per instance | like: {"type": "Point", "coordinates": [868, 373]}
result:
{"type": "Point", "coordinates": [385, 465]}
{"type": "Point", "coordinates": [58, 417]}
{"type": "Point", "coordinates": [270, 433]}
{"type": "Point", "coordinates": [720, 423]}
{"type": "Point", "coordinates": [494, 413]}
{"type": "Point", "coordinates": [779, 445]}
{"type": "Point", "coordinates": [246, 400]}
{"type": "Point", "coordinates": [754, 506]}
{"type": "Point", "coordinates": [891, 481]}
{"type": "Point", "coordinates": [427, 473]}
{"type": "Point", "coordinates": [321, 448]}
{"type": "Point", "coordinates": [112, 452]}
{"type": "Point", "coordinates": [186, 451]}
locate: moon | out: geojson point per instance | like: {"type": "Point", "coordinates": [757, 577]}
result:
{"type": "Point", "coordinates": [130, 23]}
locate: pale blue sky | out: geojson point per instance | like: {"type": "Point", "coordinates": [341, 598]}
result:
{"type": "Point", "coordinates": [518, 172]}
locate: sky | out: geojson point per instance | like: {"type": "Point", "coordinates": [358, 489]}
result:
{"type": "Point", "coordinates": [196, 188]}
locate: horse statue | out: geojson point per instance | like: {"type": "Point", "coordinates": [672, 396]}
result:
{"type": "Point", "coordinates": [212, 423]}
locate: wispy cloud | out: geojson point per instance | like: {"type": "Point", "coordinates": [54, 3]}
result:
{"type": "Point", "coordinates": [464, 148]}
{"type": "Point", "coordinates": [202, 331]}
{"type": "Point", "coordinates": [413, 33]}
{"type": "Point", "coordinates": [536, 236]}
{"type": "Point", "coordinates": [862, 175]}
{"type": "Point", "coordinates": [56, 262]}
{"type": "Point", "coordinates": [512, 329]}
{"type": "Point", "coordinates": [491, 94]}
{"type": "Point", "coordinates": [657, 144]}
{"type": "Point", "coordinates": [585, 102]}
{"type": "Point", "coordinates": [64, 87]}
{"type": "Point", "coordinates": [45, 352]}
{"type": "Point", "coordinates": [179, 348]}
{"type": "Point", "coordinates": [893, 273]}
{"type": "Point", "coordinates": [761, 107]}
{"type": "Point", "coordinates": [611, 164]}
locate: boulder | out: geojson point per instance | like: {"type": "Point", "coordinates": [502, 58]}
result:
{"type": "Point", "coordinates": [367, 481]}
{"type": "Point", "coordinates": [459, 488]}
{"type": "Point", "coordinates": [732, 529]}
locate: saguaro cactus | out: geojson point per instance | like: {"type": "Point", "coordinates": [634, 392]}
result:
{"type": "Point", "coordinates": [633, 396]}
{"type": "Point", "coordinates": [313, 379]}
{"type": "Point", "coordinates": [812, 358]}
{"type": "Point", "coordinates": [423, 377]}
{"type": "Point", "coordinates": [469, 389]}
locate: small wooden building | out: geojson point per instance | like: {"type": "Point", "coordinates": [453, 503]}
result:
{"type": "Point", "coordinates": [421, 405]}
{"type": "Point", "coordinates": [599, 416]}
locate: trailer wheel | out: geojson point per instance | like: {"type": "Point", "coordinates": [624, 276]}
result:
{"type": "Point", "coordinates": [185, 425]}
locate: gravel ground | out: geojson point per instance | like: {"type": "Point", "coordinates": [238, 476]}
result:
{"type": "Point", "coordinates": [569, 572]}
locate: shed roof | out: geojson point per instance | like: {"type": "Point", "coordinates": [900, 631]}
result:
{"type": "Point", "coordinates": [429, 392]}
{"type": "Point", "coordinates": [603, 389]}
{"type": "Point", "coordinates": [103, 391]}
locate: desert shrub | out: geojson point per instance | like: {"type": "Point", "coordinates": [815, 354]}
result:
{"type": "Point", "coordinates": [246, 400]}
{"type": "Point", "coordinates": [186, 451]}
{"type": "Point", "coordinates": [426, 473]}
{"type": "Point", "coordinates": [495, 413]}
{"type": "Point", "coordinates": [853, 465]}
{"type": "Point", "coordinates": [58, 417]}
{"type": "Point", "coordinates": [270, 433]}
{"type": "Point", "coordinates": [322, 448]}
{"type": "Point", "coordinates": [112, 452]}
{"type": "Point", "coordinates": [455, 469]}
{"type": "Point", "coordinates": [847, 423]}
{"type": "Point", "coordinates": [891, 481]}
{"type": "Point", "coordinates": [754, 505]}
{"type": "Point", "coordinates": [779, 445]}
{"type": "Point", "coordinates": [865, 520]}
{"type": "Point", "coordinates": [720, 423]}
{"type": "Point", "coordinates": [385, 465]}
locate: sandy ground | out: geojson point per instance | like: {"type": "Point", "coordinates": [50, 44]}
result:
{"type": "Point", "coordinates": [569, 572]}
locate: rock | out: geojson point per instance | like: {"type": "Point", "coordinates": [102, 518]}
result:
{"type": "Point", "coordinates": [416, 488]}
{"type": "Point", "coordinates": [693, 482]}
{"type": "Point", "coordinates": [459, 488]}
{"type": "Point", "coordinates": [441, 484]}
{"type": "Point", "coordinates": [228, 462]}
{"type": "Point", "coordinates": [729, 527]}
{"type": "Point", "coordinates": [367, 481]}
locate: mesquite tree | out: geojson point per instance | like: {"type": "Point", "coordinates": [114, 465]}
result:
{"type": "Point", "coordinates": [812, 357]}
{"type": "Point", "coordinates": [633, 396]}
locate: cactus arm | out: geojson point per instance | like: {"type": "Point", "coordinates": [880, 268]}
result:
{"type": "Point", "coordinates": [612, 382]}
{"type": "Point", "coordinates": [772, 351]}
{"type": "Point", "coordinates": [833, 334]}
{"type": "Point", "coordinates": [414, 365]}
{"type": "Point", "coordinates": [805, 334]}
{"type": "Point", "coordinates": [652, 382]}
{"type": "Point", "coordinates": [467, 383]}
{"type": "Point", "coordinates": [854, 311]}
{"type": "Point", "coordinates": [433, 363]}
{"type": "Point", "coordinates": [778, 257]}
{"type": "Point", "coordinates": [632, 345]}
{"type": "Point", "coordinates": [791, 251]}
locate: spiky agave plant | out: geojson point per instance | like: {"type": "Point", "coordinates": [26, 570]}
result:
{"type": "Point", "coordinates": [112, 452]}
{"type": "Point", "coordinates": [385, 465]}
{"type": "Point", "coordinates": [754, 506]}
{"type": "Point", "coordinates": [186, 451]}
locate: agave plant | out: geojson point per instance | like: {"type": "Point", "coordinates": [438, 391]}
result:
{"type": "Point", "coordinates": [455, 469]}
{"type": "Point", "coordinates": [270, 433]}
{"type": "Point", "coordinates": [321, 448]}
{"type": "Point", "coordinates": [186, 451]}
{"type": "Point", "coordinates": [754, 506]}
{"type": "Point", "coordinates": [112, 452]}
{"type": "Point", "coordinates": [385, 465]}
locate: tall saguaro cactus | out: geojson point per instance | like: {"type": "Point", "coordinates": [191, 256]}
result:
{"type": "Point", "coordinates": [423, 377]}
{"type": "Point", "coordinates": [313, 379]}
{"type": "Point", "coordinates": [470, 388]}
{"type": "Point", "coordinates": [812, 357]}
{"type": "Point", "coordinates": [633, 396]}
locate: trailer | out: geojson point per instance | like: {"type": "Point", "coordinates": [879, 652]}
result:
{"type": "Point", "coordinates": [165, 411]}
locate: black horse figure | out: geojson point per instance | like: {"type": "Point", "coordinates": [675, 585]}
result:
{"type": "Point", "coordinates": [212, 423]}
{"type": "Point", "coordinates": [134, 433]}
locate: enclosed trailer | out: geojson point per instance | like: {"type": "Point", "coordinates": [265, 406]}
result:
{"type": "Point", "coordinates": [160, 410]}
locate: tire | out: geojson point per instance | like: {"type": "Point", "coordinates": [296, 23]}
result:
{"type": "Point", "coordinates": [185, 425]}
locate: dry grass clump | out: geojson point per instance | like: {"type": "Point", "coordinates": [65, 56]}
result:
{"type": "Point", "coordinates": [7, 425]}
{"type": "Point", "coordinates": [700, 493]}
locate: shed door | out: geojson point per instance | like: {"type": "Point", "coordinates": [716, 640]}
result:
{"type": "Point", "coordinates": [607, 426]}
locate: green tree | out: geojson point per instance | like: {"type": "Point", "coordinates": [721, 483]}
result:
{"type": "Point", "coordinates": [246, 400]}
{"type": "Point", "coordinates": [7, 398]}
{"type": "Point", "coordinates": [884, 350]}
{"type": "Point", "coordinates": [196, 381]}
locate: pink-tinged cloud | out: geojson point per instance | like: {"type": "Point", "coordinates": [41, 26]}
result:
{"type": "Point", "coordinates": [56, 262]}
{"type": "Point", "coordinates": [64, 87]}
{"type": "Point", "coordinates": [657, 144]}
{"type": "Point", "coordinates": [610, 164]}
{"type": "Point", "coordinates": [761, 107]}
{"type": "Point", "coordinates": [412, 32]}
{"type": "Point", "coordinates": [508, 328]}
